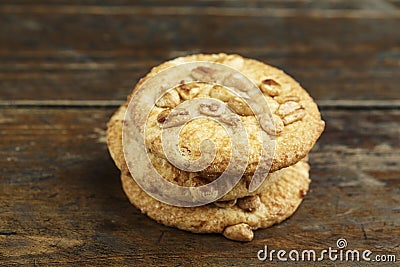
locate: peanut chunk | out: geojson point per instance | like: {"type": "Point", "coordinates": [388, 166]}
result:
{"type": "Point", "coordinates": [162, 117]}
{"type": "Point", "coordinates": [230, 119]}
{"type": "Point", "coordinates": [188, 91]}
{"type": "Point", "coordinates": [298, 115]}
{"type": "Point", "coordinates": [284, 99]}
{"type": "Point", "coordinates": [270, 87]}
{"type": "Point", "coordinates": [239, 232]}
{"type": "Point", "coordinates": [176, 118]}
{"type": "Point", "coordinates": [250, 203]}
{"type": "Point", "coordinates": [169, 100]}
{"type": "Point", "coordinates": [239, 106]}
{"type": "Point", "coordinates": [288, 108]}
{"type": "Point", "coordinates": [203, 73]}
{"type": "Point", "coordinates": [272, 126]}
{"type": "Point", "coordinates": [211, 109]}
{"type": "Point", "coordinates": [219, 92]}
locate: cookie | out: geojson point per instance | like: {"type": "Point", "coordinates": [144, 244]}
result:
{"type": "Point", "coordinates": [275, 203]}
{"type": "Point", "coordinates": [297, 121]}
{"type": "Point", "coordinates": [168, 171]}
{"type": "Point", "coordinates": [292, 120]}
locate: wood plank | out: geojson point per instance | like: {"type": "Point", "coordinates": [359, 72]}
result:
{"type": "Point", "coordinates": [113, 79]}
{"type": "Point", "coordinates": [99, 57]}
{"type": "Point", "coordinates": [115, 84]}
{"type": "Point", "coordinates": [110, 32]}
{"type": "Point", "coordinates": [61, 201]}
{"type": "Point", "coordinates": [377, 5]}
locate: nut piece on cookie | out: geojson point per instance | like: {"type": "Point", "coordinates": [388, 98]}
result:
{"type": "Point", "coordinates": [162, 117]}
{"type": "Point", "coordinates": [284, 99]}
{"type": "Point", "coordinates": [211, 109]}
{"type": "Point", "coordinates": [188, 91]}
{"type": "Point", "coordinates": [272, 126]}
{"type": "Point", "coordinates": [203, 73]}
{"type": "Point", "coordinates": [239, 106]}
{"type": "Point", "coordinates": [250, 203]}
{"type": "Point", "coordinates": [219, 92]}
{"type": "Point", "coordinates": [288, 108]}
{"type": "Point", "coordinates": [298, 115]}
{"type": "Point", "coordinates": [230, 119]}
{"type": "Point", "coordinates": [270, 87]}
{"type": "Point", "coordinates": [169, 100]}
{"type": "Point", "coordinates": [176, 118]}
{"type": "Point", "coordinates": [239, 232]}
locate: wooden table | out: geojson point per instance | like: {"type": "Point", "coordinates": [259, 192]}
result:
{"type": "Point", "coordinates": [66, 65]}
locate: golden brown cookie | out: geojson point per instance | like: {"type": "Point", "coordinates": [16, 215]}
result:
{"type": "Point", "coordinates": [169, 172]}
{"type": "Point", "coordinates": [275, 203]}
{"type": "Point", "coordinates": [296, 117]}
{"type": "Point", "coordinates": [294, 122]}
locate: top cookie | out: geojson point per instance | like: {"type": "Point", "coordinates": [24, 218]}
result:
{"type": "Point", "coordinates": [295, 116]}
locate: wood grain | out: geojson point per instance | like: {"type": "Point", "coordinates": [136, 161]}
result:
{"type": "Point", "coordinates": [341, 5]}
{"type": "Point", "coordinates": [66, 65]}
{"type": "Point", "coordinates": [49, 53]}
{"type": "Point", "coordinates": [61, 201]}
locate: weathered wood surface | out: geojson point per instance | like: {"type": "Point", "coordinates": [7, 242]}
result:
{"type": "Point", "coordinates": [64, 50]}
{"type": "Point", "coordinates": [61, 200]}
{"type": "Point", "coordinates": [66, 65]}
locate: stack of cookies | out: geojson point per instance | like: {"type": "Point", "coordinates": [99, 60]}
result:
{"type": "Point", "coordinates": [297, 125]}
